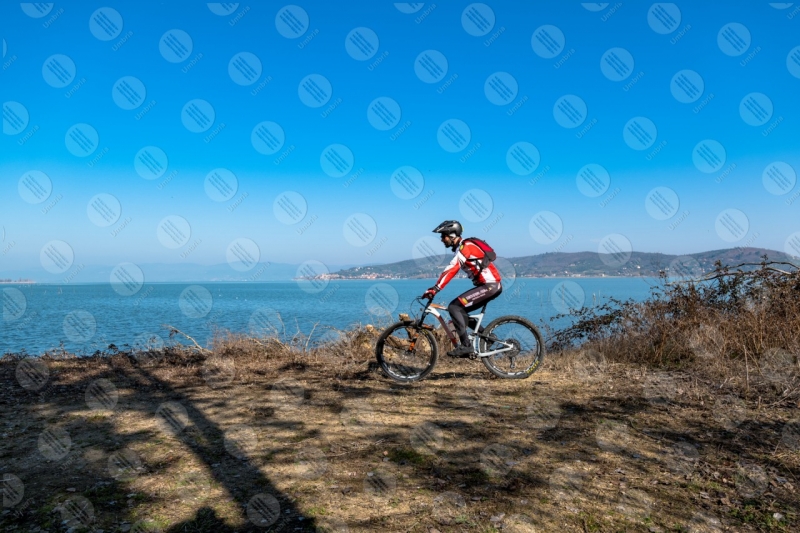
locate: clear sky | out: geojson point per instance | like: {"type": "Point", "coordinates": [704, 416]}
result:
{"type": "Point", "coordinates": [344, 132]}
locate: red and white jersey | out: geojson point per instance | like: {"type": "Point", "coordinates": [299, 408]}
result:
{"type": "Point", "coordinates": [468, 258]}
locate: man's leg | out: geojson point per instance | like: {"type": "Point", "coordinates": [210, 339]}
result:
{"type": "Point", "coordinates": [469, 301]}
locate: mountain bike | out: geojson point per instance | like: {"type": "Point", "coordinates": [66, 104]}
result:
{"type": "Point", "coordinates": [510, 347]}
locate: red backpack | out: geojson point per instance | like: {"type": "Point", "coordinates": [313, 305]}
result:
{"type": "Point", "coordinates": [489, 254]}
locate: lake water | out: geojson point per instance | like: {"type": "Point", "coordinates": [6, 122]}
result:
{"type": "Point", "coordinates": [89, 317]}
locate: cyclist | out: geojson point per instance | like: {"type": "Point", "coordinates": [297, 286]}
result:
{"type": "Point", "coordinates": [469, 257]}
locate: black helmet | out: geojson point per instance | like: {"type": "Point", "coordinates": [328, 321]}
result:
{"type": "Point", "coordinates": [449, 227]}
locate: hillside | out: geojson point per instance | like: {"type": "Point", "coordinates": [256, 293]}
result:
{"type": "Point", "coordinates": [579, 264]}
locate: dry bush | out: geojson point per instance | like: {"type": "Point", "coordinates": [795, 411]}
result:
{"type": "Point", "coordinates": [739, 325]}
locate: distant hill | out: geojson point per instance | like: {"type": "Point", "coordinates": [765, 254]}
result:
{"type": "Point", "coordinates": [578, 264]}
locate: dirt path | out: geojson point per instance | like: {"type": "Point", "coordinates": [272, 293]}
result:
{"type": "Point", "coordinates": [115, 445]}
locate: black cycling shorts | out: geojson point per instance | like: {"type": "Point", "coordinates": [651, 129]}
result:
{"type": "Point", "coordinates": [479, 295]}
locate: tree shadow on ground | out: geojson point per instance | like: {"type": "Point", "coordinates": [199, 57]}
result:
{"type": "Point", "coordinates": [69, 433]}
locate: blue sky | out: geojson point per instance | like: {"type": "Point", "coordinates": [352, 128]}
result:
{"type": "Point", "coordinates": [567, 80]}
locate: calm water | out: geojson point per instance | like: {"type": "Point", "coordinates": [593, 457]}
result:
{"type": "Point", "coordinates": [89, 317]}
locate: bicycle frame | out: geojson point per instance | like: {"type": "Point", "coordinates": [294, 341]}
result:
{"type": "Point", "coordinates": [432, 309]}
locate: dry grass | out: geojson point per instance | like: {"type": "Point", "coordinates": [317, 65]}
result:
{"type": "Point", "coordinates": [219, 439]}
{"type": "Point", "coordinates": [738, 326]}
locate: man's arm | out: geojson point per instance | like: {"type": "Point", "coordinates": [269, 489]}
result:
{"type": "Point", "coordinates": [449, 272]}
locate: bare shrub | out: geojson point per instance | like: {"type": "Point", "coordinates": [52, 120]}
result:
{"type": "Point", "coordinates": [742, 324]}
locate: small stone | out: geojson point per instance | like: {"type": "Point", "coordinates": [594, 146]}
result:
{"type": "Point", "coordinates": [71, 489]}
{"type": "Point", "coordinates": [497, 518]}
{"type": "Point", "coordinates": [777, 516]}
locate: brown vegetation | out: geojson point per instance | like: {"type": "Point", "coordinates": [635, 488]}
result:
{"type": "Point", "coordinates": [675, 415]}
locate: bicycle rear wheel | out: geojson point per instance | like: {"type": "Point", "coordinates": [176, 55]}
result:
{"type": "Point", "coordinates": [406, 352]}
{"type": "Point", "coordinates": [519, 344]}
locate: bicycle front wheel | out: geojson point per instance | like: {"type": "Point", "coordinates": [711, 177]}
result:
{"type": "Point", "coordinates": [406, 352]}
{"type": "Point", "coordinates": [515, 347]}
